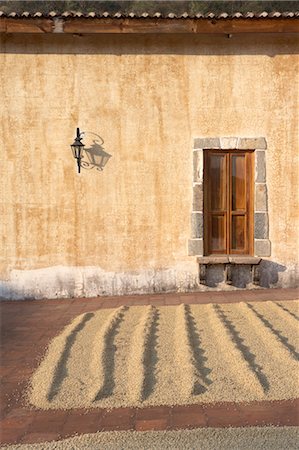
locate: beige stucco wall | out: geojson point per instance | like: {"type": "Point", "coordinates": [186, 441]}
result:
{"type": "Point", "coordinates": [126, 229]}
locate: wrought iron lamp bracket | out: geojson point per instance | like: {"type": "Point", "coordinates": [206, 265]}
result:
{"type": "Point", "coordinates": [97, 157]}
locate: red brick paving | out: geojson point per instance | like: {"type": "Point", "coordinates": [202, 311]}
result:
{"type": "Point", "coordinates": [27, 326]}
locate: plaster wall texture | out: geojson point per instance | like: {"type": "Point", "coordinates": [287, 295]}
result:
{"type": "Point", "coordinates": [126, 229]}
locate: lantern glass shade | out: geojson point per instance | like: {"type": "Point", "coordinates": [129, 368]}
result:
{"type": "Point", "coordinates": [77, 149]}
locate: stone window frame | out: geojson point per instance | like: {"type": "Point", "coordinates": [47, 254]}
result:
{"type": "Point", "coordinates": [262, 244]}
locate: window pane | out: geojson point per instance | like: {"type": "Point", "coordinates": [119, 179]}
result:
{"type": "Point", "coordinates": [238, 182]}
{"type": "Point", "coordinates": [238, 232]}
{"type": "Point", "coordinates": [218, 233]}
{"type": "Point", "coordinates": [218, 182]}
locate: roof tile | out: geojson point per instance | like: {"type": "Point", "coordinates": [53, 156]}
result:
{"type": "Point", "coordinates": [201, 9]}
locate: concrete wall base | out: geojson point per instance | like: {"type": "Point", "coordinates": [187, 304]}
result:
{"type": "Point", "coordinates": [68, 282]}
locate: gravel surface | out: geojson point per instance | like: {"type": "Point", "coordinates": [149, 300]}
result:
{"type": "Point", "coordinates": [254, 438]}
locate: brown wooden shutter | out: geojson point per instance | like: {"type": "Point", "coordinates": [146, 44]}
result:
{"type": "Point", "coordinates": [228, 203]}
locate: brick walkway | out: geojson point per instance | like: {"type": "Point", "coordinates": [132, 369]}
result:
{"type": "Point", "coordinates": [27, 327]}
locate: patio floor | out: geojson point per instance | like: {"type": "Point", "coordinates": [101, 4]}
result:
{"type": "Point", "coordinates": [28, 326]}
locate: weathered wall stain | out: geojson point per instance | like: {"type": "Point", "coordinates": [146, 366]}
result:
{"type": "Point", "coordinates": [148, 97]}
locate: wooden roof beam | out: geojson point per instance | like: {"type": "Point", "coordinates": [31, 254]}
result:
{"type": "Point", "coordinates": [144, 26]}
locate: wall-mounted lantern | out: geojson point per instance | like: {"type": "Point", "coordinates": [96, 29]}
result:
{"type": "Point", "coordinates": [77, 149]}
{"type": "Point", "coordinates": [91, 156]}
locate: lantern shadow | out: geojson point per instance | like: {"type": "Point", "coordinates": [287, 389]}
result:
{"type": "Point", "coordinates": [95, 157]}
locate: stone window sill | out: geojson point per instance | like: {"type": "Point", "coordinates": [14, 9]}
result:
{"type": "Point", "coordinates": [228, 261]}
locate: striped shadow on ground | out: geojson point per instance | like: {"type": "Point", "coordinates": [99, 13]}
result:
{"type": "Point", "coordinates": [188, 354]}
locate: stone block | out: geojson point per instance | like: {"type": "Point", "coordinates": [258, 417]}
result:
{"type": "Point", "coordinates": [228, 143]}
{"type": "Point", "coordinates": [195, 247]}
{"type": "Point", "coordinates": [260, 166]}
{"type": "Point", "coordinates": [211, 260]}
{"type": "Point", "coordinates": [197, 197]}
{"type": "Point", "coordinates": [198, 166]}
{"type": "Point", "coordinates": [206, 143]}
{"type": "Point", "coordinates": [261, 197]}
{"type": "Point", "coordinates": [244, 260]}
{"type": "Point", "coordinates": [196, 225]}
{"type": "Point", "coordinates": [251, 143]}
{"type": "Point", "coordinates": [262, 247]}
{"type": "Point", "coordinates": [261, 225]}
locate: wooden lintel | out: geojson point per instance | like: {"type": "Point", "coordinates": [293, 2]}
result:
{"type": "Point", "coordinates": [143, 26]}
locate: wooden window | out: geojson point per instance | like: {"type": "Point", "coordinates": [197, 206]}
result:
{"type": "Point", "coordinates": [228, 202]}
